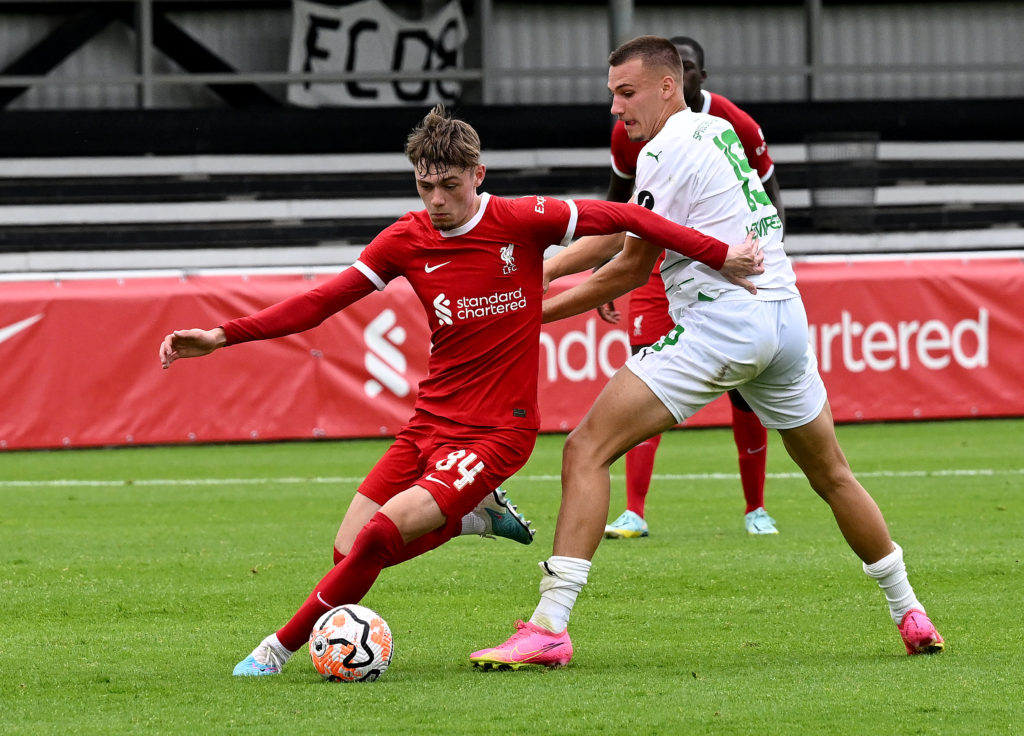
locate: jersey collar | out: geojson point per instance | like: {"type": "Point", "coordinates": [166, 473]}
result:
{"type": "Point", "coordinates": [463, 229]}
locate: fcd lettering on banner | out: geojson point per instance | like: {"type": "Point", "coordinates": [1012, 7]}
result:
{"type": "Point", "coordinates": [368, 37]}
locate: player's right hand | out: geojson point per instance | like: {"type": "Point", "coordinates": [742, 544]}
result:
{"type": "Point", "coordinates": [744, 260]}
{"type": "Point", "coordinates": [190, 344]}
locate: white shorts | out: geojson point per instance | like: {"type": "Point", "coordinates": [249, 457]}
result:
{"type": "Point", "coordinates": [757, 347]}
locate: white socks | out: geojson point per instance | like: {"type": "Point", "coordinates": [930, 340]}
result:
{"type": "Point", "coordinates": [564, 578]}
{"type": "Point", "coordinates": [275, 651]}
{"type": "Point", "coordinates": [891, 574]}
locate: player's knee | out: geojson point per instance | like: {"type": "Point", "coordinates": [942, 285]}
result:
{"type": "Point", "coordinates": [832, 481]}
{"type": "Point", "coordinates": [414, 512]}
{"type": "Point", "coordinates": [579, 450]}
{"type": "Point", "coordinates": [573, 449]}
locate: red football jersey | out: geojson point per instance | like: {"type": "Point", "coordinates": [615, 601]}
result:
{"type": "Point", "coordinates": [480, 287]}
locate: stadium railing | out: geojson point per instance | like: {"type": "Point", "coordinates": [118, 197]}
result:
{"type": "Point", "coordinates": [104, 213]}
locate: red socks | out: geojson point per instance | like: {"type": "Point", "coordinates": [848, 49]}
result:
{"type": "Point", "coordinates": [377, 545]}
{"type": "Point", "coordinates": [422, 545]}
{"type": "Point", "coordinates": [415, 548]}
{"type": "Point", "coordinates": [639, 467]}
{"type": "Point", "coordinates": [752, 443]}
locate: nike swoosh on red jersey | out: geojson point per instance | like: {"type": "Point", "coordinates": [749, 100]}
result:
{"type": "Point", "coordinates": [436, 480]}
{"type": "Point", "coordinates": [430, 269]}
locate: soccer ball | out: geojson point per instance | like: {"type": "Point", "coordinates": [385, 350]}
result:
{"type": "Point", "coordinates": [351, 644]}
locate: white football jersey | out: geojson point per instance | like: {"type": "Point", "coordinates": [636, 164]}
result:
{"type": "Point", "coordinates": [694, 172]}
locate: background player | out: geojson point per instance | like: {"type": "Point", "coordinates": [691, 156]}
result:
{"type": "Point", "coordinates": [648, 317]}
{"type": "Point", "coordinates": [724, 338]}
{"type": "Point", "coordinates": [475, 263]}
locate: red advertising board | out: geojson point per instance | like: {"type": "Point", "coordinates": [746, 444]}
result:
{"type": "Point", "coordinates": [895, 339]}
{"type": "Point", "coordinates": [907, 339]}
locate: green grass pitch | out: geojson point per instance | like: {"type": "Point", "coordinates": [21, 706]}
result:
{"type": "Point", "coordinates": [132, 580]}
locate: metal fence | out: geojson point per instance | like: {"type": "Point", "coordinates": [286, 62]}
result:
{"type": "Point", "coordinates": [114, 54]}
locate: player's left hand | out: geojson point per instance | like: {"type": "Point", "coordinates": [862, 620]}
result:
{"type": "Point", "coordinates": [744, 260]}
{"type": "Point", "coordinates": [609, 313]}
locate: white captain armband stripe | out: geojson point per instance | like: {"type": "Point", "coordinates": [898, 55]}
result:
{"type": "Point", "coordinates": [574, 216]}
{"type": "Point", "coordinates": [368, 273]}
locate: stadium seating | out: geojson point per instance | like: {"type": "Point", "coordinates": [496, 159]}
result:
{"type": "Point", "coordinates": [270, 210]}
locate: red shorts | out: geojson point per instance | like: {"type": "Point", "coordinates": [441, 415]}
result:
{"type": "Point", "coordinates": [648, 312]}
{"type": "Point", "coordinates": [459, 465]}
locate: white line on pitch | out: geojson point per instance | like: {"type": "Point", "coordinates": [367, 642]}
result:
{"type": "Point", "coordinates": [79, 483]}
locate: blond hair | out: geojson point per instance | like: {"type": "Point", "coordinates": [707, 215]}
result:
{"type": "Point", "coordinates": [440, 144]}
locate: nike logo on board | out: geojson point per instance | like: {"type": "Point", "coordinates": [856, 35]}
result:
{"type": "Point", "coordinates": [6, 333]}
{"type": "Point", "coordinates": [430, 269]}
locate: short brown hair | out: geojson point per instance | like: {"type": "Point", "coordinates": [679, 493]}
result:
{"type": "Point", "coordinates": [655, 52]}
{"type": "Point", "coordinates": [441, 143]}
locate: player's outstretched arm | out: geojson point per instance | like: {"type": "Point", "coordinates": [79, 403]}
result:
{"type": "Point", "coordinates": [597, 217]}
{"type": "Point", "coordinates": [623, 274]}
{"type": "Point", "coordinates": [294, 314]}
{"type": "Point", "coordinates": [586, 253]}
{"type": "Point", "coordinates": [190, 344]}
